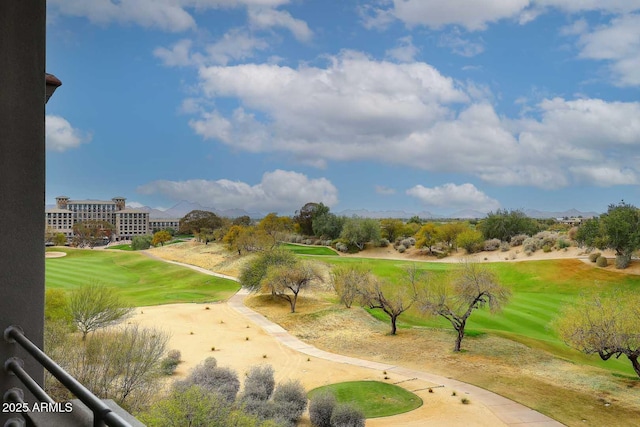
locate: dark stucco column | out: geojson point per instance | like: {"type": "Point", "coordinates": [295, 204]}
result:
{"type": "Point", "coordinates": [22, 179]}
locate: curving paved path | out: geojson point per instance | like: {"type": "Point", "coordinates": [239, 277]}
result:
{"type": "Point", "coordinates": [509, 412]}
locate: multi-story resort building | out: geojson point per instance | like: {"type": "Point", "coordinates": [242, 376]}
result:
{"type": "Point", "coordinates": [127, 223]}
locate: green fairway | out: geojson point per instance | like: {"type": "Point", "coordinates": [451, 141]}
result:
{"type": "Point", "coordinates": [121, 247]}
{"type": "Point", "coordinates": [374, 398]}
{"type": "Point", "coordinates": [540, 290]}
{"type": "Point", "coordinates": [308, 250]}
{"type": "Point", "coordinates": [139, 279]}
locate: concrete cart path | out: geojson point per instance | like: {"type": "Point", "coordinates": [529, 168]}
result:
{"type": "Point", "coordinates": [509, 412]}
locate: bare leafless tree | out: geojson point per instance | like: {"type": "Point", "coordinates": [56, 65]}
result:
{"type": "Point", "coordinates": [472, 286]}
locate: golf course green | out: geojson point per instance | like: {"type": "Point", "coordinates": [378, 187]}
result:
{"type": "Point", "coordinates": [139, 279]}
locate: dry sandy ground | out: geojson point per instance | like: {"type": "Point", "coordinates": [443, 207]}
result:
{"type": "Point", "coordinates": [195, 330]}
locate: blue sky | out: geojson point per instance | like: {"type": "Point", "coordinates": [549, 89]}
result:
{"type": "Point", "coordinates": [414, 105]}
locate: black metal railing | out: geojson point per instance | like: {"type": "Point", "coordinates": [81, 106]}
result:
{"type": "Point", "coordinates": [103, 415]}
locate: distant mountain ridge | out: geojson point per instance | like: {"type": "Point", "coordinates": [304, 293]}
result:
{"type": "Point", "coordinates": [184, 207]}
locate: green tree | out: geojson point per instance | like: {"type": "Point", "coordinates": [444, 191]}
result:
{"type": "Point", "coordinates": [196, 220]}
{"type": "Point", "coordinates": [274, 225]}
{"type": "Point", "coordinates": [450, 231]}
{"type": "Point", "coordinates": [472, 287]}
{"type": "Point", "coordinates": [140, 243]}
{"type": "Point", "coordinates": [618, 229]}
{"type": "Point", "coordinates": [327, 225]}
{"type": "Point", "coordinates": [391, 228]}
{"type": "Point", "coordinates": [607, 325]}
{"type": "Point", "coordinates": [428, 236]}
{"type": "Point", "coordinates": [305, 216]}
{"type": "Point", "coordinates": [286, 281]}
{"type": "Point", "coordinates": [470, 240]}
{"type": "Point", "coordinates": [161, 237]}
{"type": "Point", "coordinates": [359, 231]}
{"type": "Point", "coordinates": [242, 220]}
{"type": "Point", "coordinates": [254, 271]}
{"type": "Point", "coordinates": [95, 306]}
{"type": "Point", "coordinates": [60, 239]}
{"type": "Point", "coordinates": [503, 225]}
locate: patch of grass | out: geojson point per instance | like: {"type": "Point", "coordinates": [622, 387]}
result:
{"type": "Point", "coordinates": [540, 290]}
{"type": "Point", "coordinates": [308, 250]}
{"type": "Point", "coordinates": [126, 247]}
{"type": "Point", "coordinates": [139, 279]}
{"type": "Point", "coordinates": [374, 398]}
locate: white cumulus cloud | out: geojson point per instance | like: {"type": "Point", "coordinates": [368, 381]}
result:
{"type": "Point", "coordinates": [279, 191]}
{"type": "Point", "coordinates": [465, 196]}
{"type": "Point", "coordinates": [61, 136]}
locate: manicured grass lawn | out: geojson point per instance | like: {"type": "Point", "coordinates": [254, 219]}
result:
{"type": "Point", "coordinates": [121, 247]}
{"type": "Point", "coordinates": [540, 290]}
{"type": "Point", "coordinates": [308, 250]}
{"type": "Point", "coordinates": [374, 398]}
{"type": "Point", "coordinates": [138, 278]}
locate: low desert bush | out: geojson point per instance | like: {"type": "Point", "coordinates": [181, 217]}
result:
{"type": "Point", "coordinates": [290, 399]}
{"type": "Point", "coordinates": [321, 407]}
{"type": "Point", "coordinates": [169, 364]}
{"type": "Point", "coordinates": [401, 248]}
{"type": "Point", "coordinates": [491, 245]}
{"type": "Point", "coordinates": [563, 243]}
{"type": "Point", "coordinates": [518, 239]}
{"type": "Point", "coordinates": [546, 249]}
{"type": "Point", "coordinates": [602, 261]}
{"type": "Point", "coordinates": [530, 245]}
{"type": "Point", "coordinates": [407, 243]}
{"type": "Point", "coordinates": [505, 246]}
{"type": "Point", "coordinates": [259, 384]}
{"type": "Point", "coordinates": [594, 256]}
{"type": "Point", "coordinates": [209, 376]}
{"type": "Point", "coordinates": [383, 243]}
{"type": "Point", "coordinates": [342, 247]}
{"type": "Point", "coordinates": [346, 415]}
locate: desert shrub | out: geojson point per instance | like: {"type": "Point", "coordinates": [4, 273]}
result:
{"type": "Point", "coordinates": [263, 409]}
{"type": "Point", "coordinates": [342, 247]}
{"type": "Point", "coordinates": [572, 233]}
{"type": "Point", "coordinates": [169, 364]}
{"type": "Point", "coordinates": [531, 244]}
{"type": "Point", "coordinates": [346, 415]}
{"type": "Point", "coordinates": [623, 261]}
{"type": "Point", "coordinates": [504, 246]}
{"type": "Point", "coordinates": [594, 256]}
{"type": "Point", "coordinates": [442, 254]}
{"type": "Point", "coordinates": [528, 252]}
{"type": "Point", "coordinates": [320, 409]}
{"type": "Point", "coordinates": [470, 240]}
{"type": "Point", "coordinates": [407, 243]}
{"type": "Point", "coordinates": [547, 238]}
{"type": "Point", "coordinates": [401, 248]}
{"type": "Point", "coordinates": [383, 243]}
{"type": "Point", "coordinates": [139, 243]}
{"type": "Point", "coordinates": [491, 244]}
{"type": "Point", "coordinates": [562, 244]}
{"type": "Point", "coordinates": [518, 239]}
{"type": "Point", "coordinates": [327, 243]}
{"type": "Point", "coordinates": [299, 239]}
{"type": "Point", "coordinates": [290, 400]}
{"type": "Point", "coordinates": [214, 379]}
{"type": "Point", "coordinates": [308, 242]}
{"type": "Point", "coordinates": [260, 383]}
{"type": "Point", "coordinates": [602, 261]}
{"type": "Point", "coordinates": [546, 249]}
